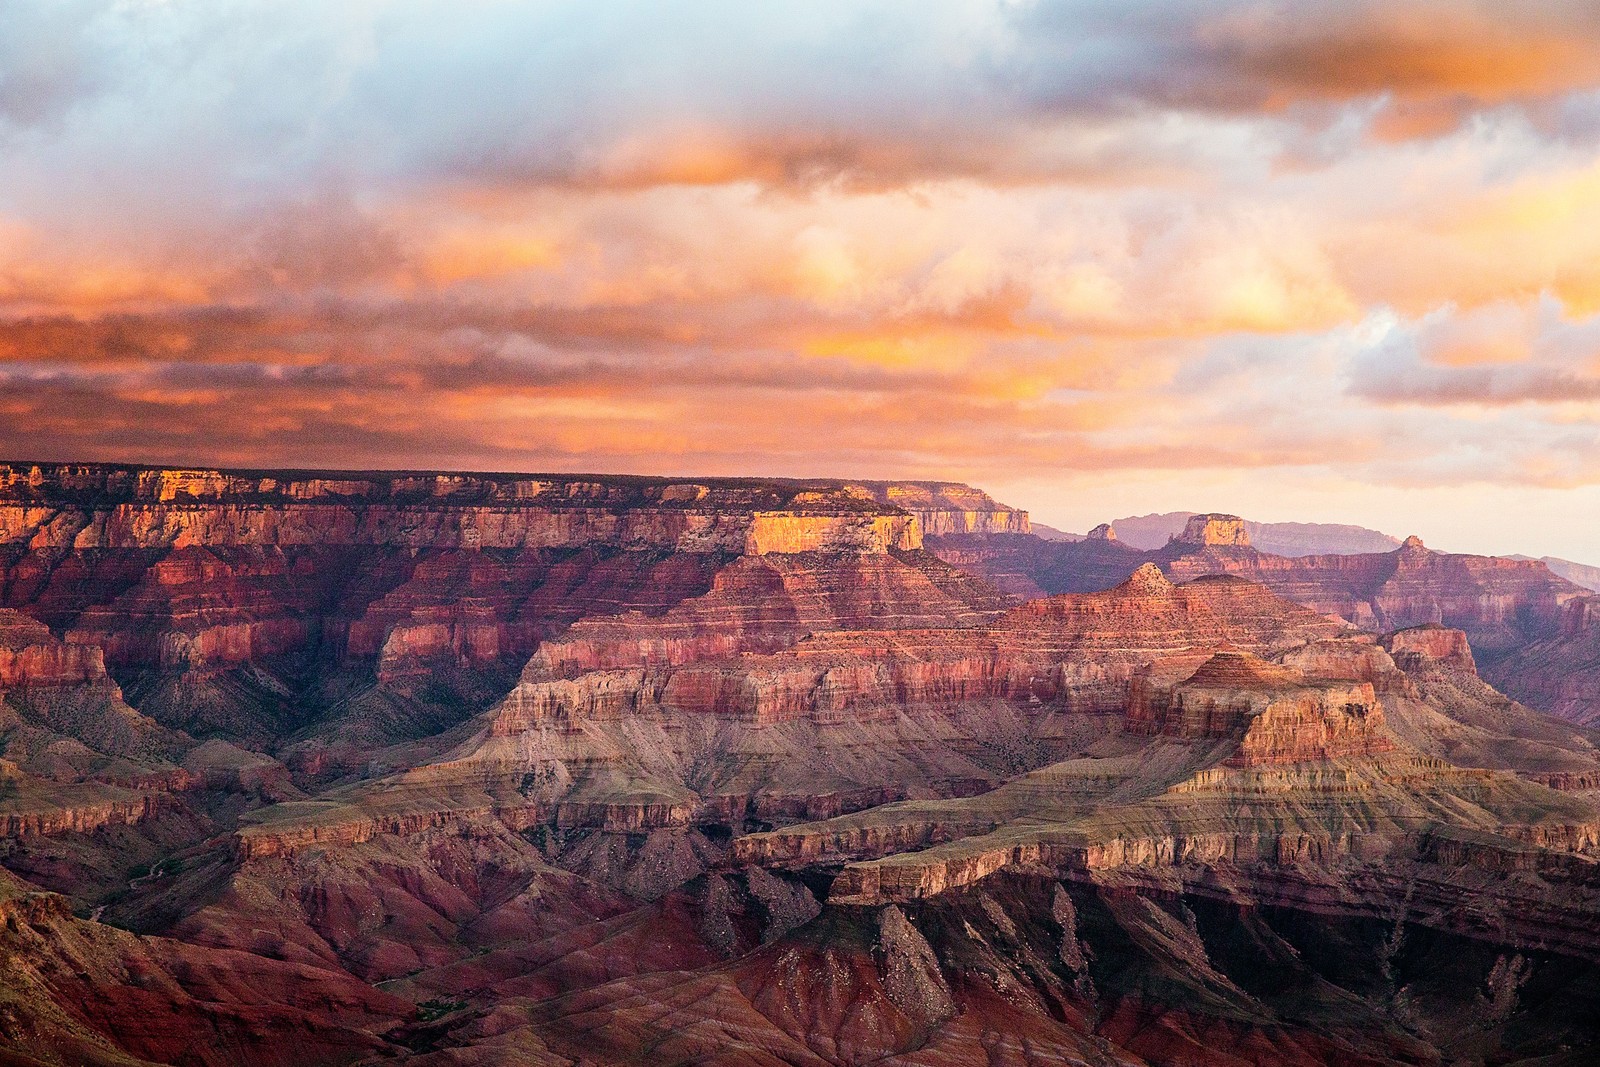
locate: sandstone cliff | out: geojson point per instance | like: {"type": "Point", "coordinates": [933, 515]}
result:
{"type": "Point", "coordinates": [92, 506]}
{"type": "Point", "coordinates": [943, 508]}
{"type": "Point", "coordinates": [1275, 712]}
{"type": "Point", "coordinates": [1214, 530]}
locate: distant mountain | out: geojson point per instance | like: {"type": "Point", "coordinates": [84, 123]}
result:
{"type": "Point", "coordinates": [1577, 573]}
{"type": "Point", "coordinates": [1050, 533]}
{"type": "Point", "coordinates": [1148, 532]}
{"type": "Point", "coordinates": [1318, 539]}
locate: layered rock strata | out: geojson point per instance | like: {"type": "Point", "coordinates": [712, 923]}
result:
{"type": "Point", "coordinates": [1502, 604]}
{"type": "Point", "coordinates": [1278, 762]}
{"type": "Point", "coordinates": [944, 508]}
{"type": "Point", "coordinates": [1214, 529]}
{"type": "Point", "coordinates": [92, 506]}
{"type": "Point", "coordinates": [1276, 713]}
{"type": "Point", "coordinates": [1561, 673]}
{"type": "Point", "coordinates": [602, 729]}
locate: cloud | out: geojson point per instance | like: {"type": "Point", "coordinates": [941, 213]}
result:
{"type": "Point", "coordinates": [194, 105]}
{"type": "Point", "coordinates": [1157, 242]}
{"type": "Point", "coordinates": [1499, 354]}
{"type": "Point", "coordinates": [49, 61]}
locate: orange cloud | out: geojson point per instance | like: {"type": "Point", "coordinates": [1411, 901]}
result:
{"type": "Point", "coordinates": [1433, 51]}
{"type": "Point", "coordinates": [1058, 239]}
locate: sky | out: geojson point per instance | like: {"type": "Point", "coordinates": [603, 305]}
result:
{"type": "Point", "coordinates": [1328, 260]}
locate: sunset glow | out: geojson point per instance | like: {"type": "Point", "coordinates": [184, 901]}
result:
{"type": "Point", "coordinates": [1099, 258]}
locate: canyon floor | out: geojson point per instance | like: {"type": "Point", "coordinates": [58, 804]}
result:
{"type": "Point", "coordinates": [434, 768]}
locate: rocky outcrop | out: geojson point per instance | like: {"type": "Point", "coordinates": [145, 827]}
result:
{"type": "Point", "coordinates": [63, 719]}
{"type": "Point", "coordinates": [1074, 651]}
{"type": "Point", "coordinates": [1274, 712]}
{"type": "Point", "coordinates": [1430, 646]}
{"type": "Point", "coordinates": [1214, 529]}
{"type": "Point", "coordinates": [32, 657]}
{"type": "Point", "coordinates": [74, 758]}
{"type": "Point", "coordinates": [474, 608]}
{"type": "Point", "coordinates": [945, 508]}
{"type": "Point", "coordinates": [768, 603]}
{"type": "Point", "coordinates": [79, 811]}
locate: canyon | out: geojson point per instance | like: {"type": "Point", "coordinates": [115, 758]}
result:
{"type": "Point", "coordinates": [1502, 603]}
{"type": "Point", "coordinates": [312, 767]}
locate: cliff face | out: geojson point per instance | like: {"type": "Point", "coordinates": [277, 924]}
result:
{"type": "Point", "coordinates": [944, 508]}
{"type": "Point", "coordinates": [1214, 530]}
{"type": "Point", "coordinates": [768, 603]}
{"type": "Point", "coordinates": [74, 757]}
{"type": "Point", "coordinates": [1560, 674]}
{"type": "Point", "coordinates": [87, 507]}
{"type": "Point", "coordinates": [1502, 604]}
{"type": "Point", "coordinates": [195, 570]}
{"type": "Point", "coordinates": [30, 657]}
{"type": "Point", "coordinates": [1274, 712]}
{"type": "Point", "coordinates": [612, 716]}
{"type": "Point", "coordinates": [1430, 646]}
{"type": "Point", "coordinates": [323, 616]}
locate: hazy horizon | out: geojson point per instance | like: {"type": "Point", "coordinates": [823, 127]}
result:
{"type": "Point", "coordinates": [1333, 262]}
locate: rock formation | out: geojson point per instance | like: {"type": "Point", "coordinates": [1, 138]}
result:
{"type": "Point", "coordinates": [944, 508]}
{"type": "Point", "coordinates": [1149, 532]}
{"type": "Point", "coordinates": [1214, 530]}
{"type": "Point", "coordinates": [1502, 604]}
{"type": "Point", "coordinates": [1560, 673]}
{"type": "Point", "coordinates": [1430, 644]}
{"type": "Point", "coordinates": [1274, 712]}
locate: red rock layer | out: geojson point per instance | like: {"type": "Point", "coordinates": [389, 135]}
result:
{"type": "Point", "coordinates": [1077, 650]}
{"type": "Point", "coordinates": [1502, 604]}
{"type": "Point", "coordinates": [184, 570]}
{"type": "Point", "coordinates": [1560, 674]}
{"type": "Point", "coordinates": [476, 607]}
{"type": "Point", "coordinates": [74, 757]}
{"type": "Point", "coordinates": [1278, 715]}
{"type": "Point", "coordinates": [761, 604]}
{"type": "Point", "coordinates": [31, 656]}
{"type": "Point", "coordinates": [1430, 646]}
{"type": "Point", "coordinates": [92, 505]}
